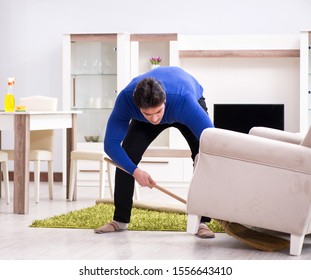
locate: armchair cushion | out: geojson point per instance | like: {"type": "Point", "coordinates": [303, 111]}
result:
{"type": "Point", "coordinates": [307, 139]}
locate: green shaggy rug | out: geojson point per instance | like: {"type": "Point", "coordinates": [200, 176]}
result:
{"type": "Point", "coordinates": [142, 219]}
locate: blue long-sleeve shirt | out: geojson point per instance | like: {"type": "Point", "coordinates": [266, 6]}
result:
{"type": "Point", "coordinates": [182, 95]}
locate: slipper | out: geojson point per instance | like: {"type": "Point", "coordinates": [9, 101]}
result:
{"type": "Point", "coordinates": [110, 227]}
{"type": "Point", "coordinates": [205, 232]}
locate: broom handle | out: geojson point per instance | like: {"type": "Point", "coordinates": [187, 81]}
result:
{"type": "Point", "coordinates": [155, 186]}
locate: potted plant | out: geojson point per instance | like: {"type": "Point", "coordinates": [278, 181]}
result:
{"type": "Point", "coordinates": [155, 61]}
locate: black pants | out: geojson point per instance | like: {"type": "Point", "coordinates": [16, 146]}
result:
{"type": "Point", "coordinates": [138, 138]}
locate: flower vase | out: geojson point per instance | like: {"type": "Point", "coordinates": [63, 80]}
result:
{"type": "Point", "coordinates": [153, 66]}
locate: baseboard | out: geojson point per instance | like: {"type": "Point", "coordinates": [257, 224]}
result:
{"type": "Point", "coordinates": [58, 176]}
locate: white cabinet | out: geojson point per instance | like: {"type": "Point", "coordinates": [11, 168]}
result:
{"type": "Point", "coordinates": [96, 67]}
{"type": "Point", "coordinates": [305, 80]}
{"type": "Point", "coordinates": [246, 69]}
{"type": "Point", "coordinates": [170, 171]}
{"type": "Point", "coordinates": [145, 46]}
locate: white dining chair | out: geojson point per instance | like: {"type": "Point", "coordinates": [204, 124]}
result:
{"type": "Point", "coordinates": [98, 156]}
{"type": "Point", "coordinates": [104, 167]}
{"type": "Point", "coordinates": [4, 169]}
{"type": "Point", "coordinates": [41, 141]}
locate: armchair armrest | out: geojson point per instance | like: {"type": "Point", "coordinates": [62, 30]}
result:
{"type": "Point", "coordinates": [277, 134]}
{"type": "Point", "coordinates": [258, 150]}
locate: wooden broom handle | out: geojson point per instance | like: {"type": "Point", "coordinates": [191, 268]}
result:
{"type": "Point", "coordinates": [155, 186]}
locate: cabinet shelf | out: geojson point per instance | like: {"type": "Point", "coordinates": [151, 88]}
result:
{"type": "Point", "coordinates": [92, 109]}
{"type": "Point", "coordinates": [238, 53]}
{"type": "Point", "coordinates": [96, 67]}
{"type": "Point", "coordinates": [154, 37]}
{"type": "Point", "coordinates": [93, 75]}
{"type": "Point", "coordinates": [112, 37]}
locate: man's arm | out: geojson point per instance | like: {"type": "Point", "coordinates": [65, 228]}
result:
{"type": "Point", "coordinates": [117, 126]}
{"type": "Point", "coordinates": [194, 116]}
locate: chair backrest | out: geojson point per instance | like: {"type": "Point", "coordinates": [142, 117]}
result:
{"type": "Point", "coordinates": [307, 139]}
{"type": "Point", "coordinates": [3, 156]}
{"type": "Point", "coordinates": [40, 139]}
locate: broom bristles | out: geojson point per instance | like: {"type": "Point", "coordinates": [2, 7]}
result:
{"type": "Point", "coordinates": [258, 240]}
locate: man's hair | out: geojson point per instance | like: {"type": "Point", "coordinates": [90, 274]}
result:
{"type": "Point", "coordinates": [148, 93]}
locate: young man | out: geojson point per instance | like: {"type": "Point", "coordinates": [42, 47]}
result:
{"type": "Point", "coordinates": [162, 98]}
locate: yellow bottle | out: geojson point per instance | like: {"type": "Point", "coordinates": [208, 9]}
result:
{"type": "Point", "coordinates": [9, 99]}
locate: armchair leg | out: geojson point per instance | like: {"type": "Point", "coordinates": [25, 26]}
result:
{"type": "Point", "coordinates": [193, 222]}
{"type": "Point", "coordinates": [296, 243]}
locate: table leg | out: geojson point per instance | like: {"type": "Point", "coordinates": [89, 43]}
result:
{"type": "Point", "coordinates": [71, 145]}
{"type": "Point", "coordinates": [21, 164]}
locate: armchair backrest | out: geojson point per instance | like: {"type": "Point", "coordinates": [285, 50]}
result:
{"type": "Point", "coordinates": [307, 139]}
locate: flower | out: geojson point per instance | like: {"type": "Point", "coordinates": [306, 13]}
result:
{"type": "Point", "coordinates": [155, 60]}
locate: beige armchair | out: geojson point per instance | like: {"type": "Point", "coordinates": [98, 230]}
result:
{"type": "Point", "coordinates": [261, 179]}
{"type": "Point", "coordinates": [41, 141]}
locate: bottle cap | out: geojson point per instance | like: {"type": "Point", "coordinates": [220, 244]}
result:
{"type": "Point", "coordinates": [11, 81]}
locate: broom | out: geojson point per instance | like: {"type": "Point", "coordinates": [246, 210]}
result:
{"type": "Point", "coordinates": [255, 239]}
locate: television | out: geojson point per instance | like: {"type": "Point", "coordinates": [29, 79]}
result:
{"type": "Point", "coordinates": [242, 117]}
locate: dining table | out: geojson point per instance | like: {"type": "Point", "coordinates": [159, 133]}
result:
{"type": "Point", "coordinates": [21, 123]}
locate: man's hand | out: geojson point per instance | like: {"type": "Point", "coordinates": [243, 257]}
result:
{"type": "Point", "coordinates": [143, 178]}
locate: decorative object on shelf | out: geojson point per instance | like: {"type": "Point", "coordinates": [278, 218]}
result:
{"type": "Point", "coordinates": [20, 108]}
{"type": "Point", "coordinates": [98, 102]}
{"type": "Point", "coordinates": [97, 67]}
{"type": "Point", "coordinates": [91, 102]}
{"type": "Point", "coordinates": [95, 138]}
{"type": "Point", "coordinates": [91, 138]}
{"type": "Point", "coordinates": [9, 100]}
{"type": "Point", "coordinates": [85, 67]}
{"type": "Point", "coordinates": [155, 61]}
{"type": "Point", "coordinates": [88, 138]}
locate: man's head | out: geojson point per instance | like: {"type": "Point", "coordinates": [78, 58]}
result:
{"type": "Point", "coordinates": [149, 96]}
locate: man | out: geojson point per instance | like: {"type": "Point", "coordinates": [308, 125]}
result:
{"type": "Point", "coordinates": [162, 98]}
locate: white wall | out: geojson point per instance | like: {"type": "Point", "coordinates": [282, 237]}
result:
{"type": "Point", "coordinates": [31, 30]}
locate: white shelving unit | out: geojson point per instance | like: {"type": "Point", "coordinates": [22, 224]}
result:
{"type": "Point", "coordinates": [95, 68]}
{"type": "Point", "coordinates": [246, 69]}
{"type": "Point", "coordinates": [144, 46]}
{"type": "Point", "coordinates": [98, 66]}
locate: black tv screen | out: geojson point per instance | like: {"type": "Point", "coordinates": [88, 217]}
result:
{"type": "Point", "coordinates": [242, 117]}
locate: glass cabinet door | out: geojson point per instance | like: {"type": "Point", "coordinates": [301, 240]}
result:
{"type": "Point", "coordinates": [93, 82]}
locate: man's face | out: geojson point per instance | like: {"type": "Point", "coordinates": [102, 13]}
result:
{"type": "Point", "coordinates": [154, 114]}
